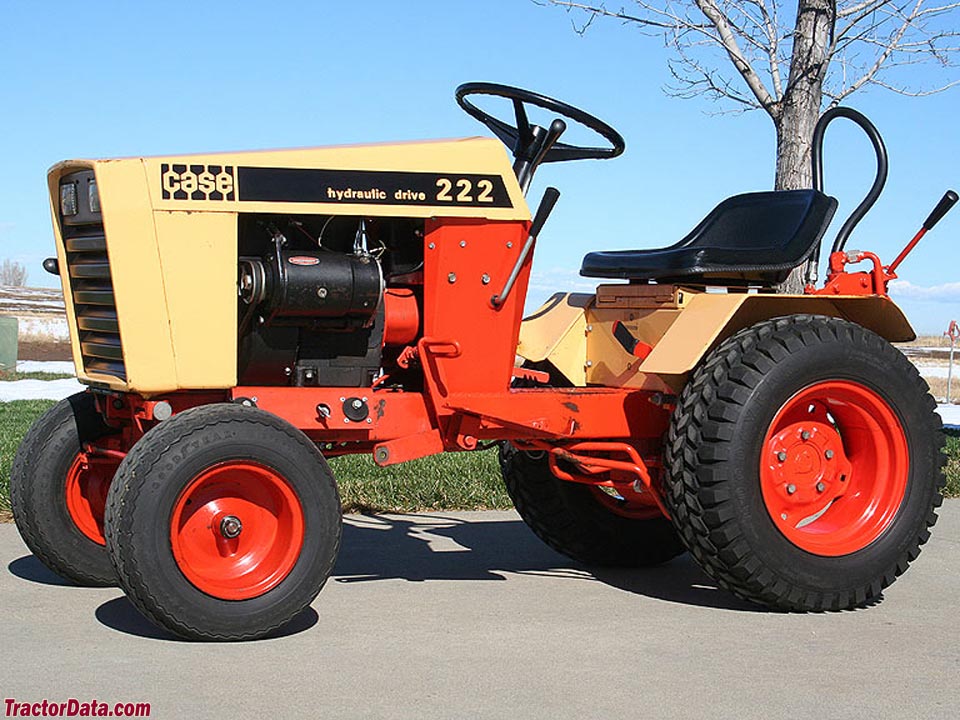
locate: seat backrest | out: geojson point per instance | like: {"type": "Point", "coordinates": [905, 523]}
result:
{"type": "Point", "coordinates": [778, 228]}
{"type": "Point", "coordinates": [751, 239]}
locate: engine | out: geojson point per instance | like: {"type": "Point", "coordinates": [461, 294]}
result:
{"type": "Point", "coordinates": [326, 300]}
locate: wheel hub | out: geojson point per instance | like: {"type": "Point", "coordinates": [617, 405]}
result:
{"type": "Point", "coordinates": [833, 468]}
{"type": "Point", "coordinates": [237, 530]}
{"type": "Point", "coordinates": [807, 465]}
{"type": "Point", "coordinates": [230, 527]}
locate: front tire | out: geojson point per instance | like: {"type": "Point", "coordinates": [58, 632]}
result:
{"type": "Point", "coordinates": [582, 522]}
{"type": "Point", "coordinates": [805, 464]}
{"type": "Point", "coordinates": [58, 491]}
{"type": "Point", "coordinates": [223, 523]}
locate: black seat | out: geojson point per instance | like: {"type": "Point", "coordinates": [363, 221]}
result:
{"type": "Point", "coordinates": [756, 238]}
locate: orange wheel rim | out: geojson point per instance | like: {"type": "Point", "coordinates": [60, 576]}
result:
{"type": "Point", "coordinates": [237, 530]}
{"type": "Point", "coordinates": [88, 481]}
{"type": "Point", "coordinates": [834, 467]}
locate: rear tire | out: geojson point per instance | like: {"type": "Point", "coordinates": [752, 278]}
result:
{"type": "Point", "coordinates": [577, 522]}
{"type": "Point", "coordinates": [223, 523]}
{"type": "Point", "coordinates": [805, 464]}
{"type": "Point", "coordinates": [57, 505]}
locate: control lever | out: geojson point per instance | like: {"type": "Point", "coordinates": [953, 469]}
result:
{"type": "Point", "coordinates": [530, 166]}
{"type": "Point", "coordinates": [556, 129]}
{"type": "Point", "coordinates": [948, 200]}
{"type": "Point", "coordinates": [550, 197]}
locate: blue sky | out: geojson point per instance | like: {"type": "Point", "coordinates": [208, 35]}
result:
{"type": "Point", "coordinates": [102, 79]}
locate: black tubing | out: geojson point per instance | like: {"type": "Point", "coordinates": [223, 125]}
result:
{"type": "Point", "coordinates": [817, 162]}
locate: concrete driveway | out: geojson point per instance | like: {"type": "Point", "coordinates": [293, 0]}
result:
{"type": "Point", "coordinates": [468, 615]}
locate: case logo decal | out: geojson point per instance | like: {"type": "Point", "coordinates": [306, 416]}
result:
{"type": "Point", "coordinates": [197, 182]}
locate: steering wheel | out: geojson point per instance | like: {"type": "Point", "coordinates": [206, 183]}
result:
{"type": "Point", "coordinates": [523, 137]}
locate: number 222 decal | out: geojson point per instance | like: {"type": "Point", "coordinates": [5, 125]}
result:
{"type": "Point", "coordinates": [464, 191]}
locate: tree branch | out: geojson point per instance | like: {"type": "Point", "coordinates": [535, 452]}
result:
{"type": "Point", "coordinates": [729, 42]}
{"type": "Point", "coordinates": [867, 5]}
{"type": "Point", "coordinates": [871, 37]}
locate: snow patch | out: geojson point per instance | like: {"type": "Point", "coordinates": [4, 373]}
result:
{"type": "Point", "coordinates": [52, 327]}
{"type": "Point", "coordinates": [61, 367]}
{"type": "Point", "coordinates": [39, 389]}
{"type": "Point", "coordinates": [950, 415]}
{"type": "Point", "coordinates": [934, 371]}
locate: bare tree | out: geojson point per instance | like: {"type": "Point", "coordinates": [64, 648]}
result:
{"type": "Point", "coordinates": [833, 49]}
{"type": "Point", "coordinates": [13, 273]}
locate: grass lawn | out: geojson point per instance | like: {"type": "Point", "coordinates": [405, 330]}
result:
{"type": "Point", "coordinates": [455, 481]}
{"type": "Point", "coordinates": [8, 375]}
{"type": "Point", "coordinates": [15, 419]}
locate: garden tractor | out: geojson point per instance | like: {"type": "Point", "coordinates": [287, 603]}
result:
{"type": "Point", "coordinates": [239, 317]}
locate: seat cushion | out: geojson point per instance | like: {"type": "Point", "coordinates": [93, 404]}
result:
{"type": "Point", "coordinates": [751, 238]}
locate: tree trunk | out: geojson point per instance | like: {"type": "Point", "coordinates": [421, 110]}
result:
{"type": "Point", "coordinates": [800, 107]}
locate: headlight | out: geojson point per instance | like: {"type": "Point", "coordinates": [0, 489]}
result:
{"type": "Point", "coordinates": [93, 197]}
{"type": "Point", "coordinates": [68, 199]}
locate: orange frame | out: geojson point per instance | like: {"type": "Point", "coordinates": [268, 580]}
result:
{"type": "Point", "coordinates": [467, 352]}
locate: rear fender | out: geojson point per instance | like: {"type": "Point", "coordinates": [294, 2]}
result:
{"type": "Point", "coordinates": [573, 332]}
{"type": "Point", "coordinates": [709, 319]}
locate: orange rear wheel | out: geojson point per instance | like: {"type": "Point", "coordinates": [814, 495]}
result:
{"type": "Point", "coordinates": [804, 464]}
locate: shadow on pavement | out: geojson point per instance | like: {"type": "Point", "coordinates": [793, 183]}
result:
{"type": "Point", "coordinates": [29, 568]}
{"type": "Point", "coordinates": [433, 547]}
{"type": "Point", "coordinates": [119, 614]}
{"type": "Point", "coordinates": [424, 547]}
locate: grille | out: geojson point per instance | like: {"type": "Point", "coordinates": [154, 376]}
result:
{"type": "Point", "coordinates": [93, 302]}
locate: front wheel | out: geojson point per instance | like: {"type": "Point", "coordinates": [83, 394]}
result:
{"type": "Point", "coordinates": [223, 523]}
{"type": "Point", "coordinates": [58, 486]}
{"type": "Point", "coordinates": [805, 464]}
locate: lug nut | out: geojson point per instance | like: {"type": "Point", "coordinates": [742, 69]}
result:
{"type": "Point", "coordinates": [791, 489]}
{"type": "Point", "coordinates": [828, 454]}
{"type": "Point", "coordinates": [821, 487]}
{"type": "Point", "coordinates": [782, 456]}
{"type": "Point", "coordinates": [805, 435]}
{"type": "Point", "coordinates": [357, 404]}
